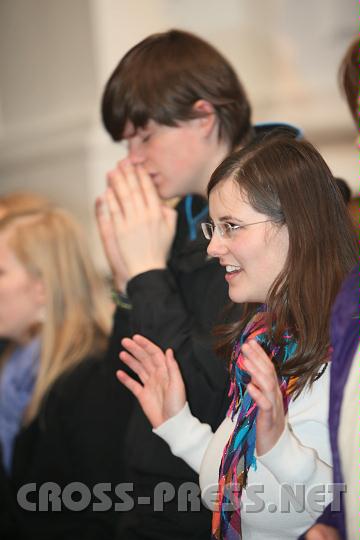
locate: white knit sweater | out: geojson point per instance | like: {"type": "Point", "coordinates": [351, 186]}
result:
{"type": "Point", "coordinates": [299, 463]}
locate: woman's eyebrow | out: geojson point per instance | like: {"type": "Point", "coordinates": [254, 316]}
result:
{"type": "Point", "coordinates": [230, 218]}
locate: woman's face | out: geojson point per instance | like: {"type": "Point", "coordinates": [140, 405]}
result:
{"type": "Point", "coordinates": [22, 296]}
{"type": "Point", "coordinates": [253, 255]}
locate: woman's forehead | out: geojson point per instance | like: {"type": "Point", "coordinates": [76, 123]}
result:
{"type": "Point", "coordinates": [227, 197]}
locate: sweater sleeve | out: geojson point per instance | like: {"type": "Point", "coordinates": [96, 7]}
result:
{"type": "Point", "coordinates": [187, 437]}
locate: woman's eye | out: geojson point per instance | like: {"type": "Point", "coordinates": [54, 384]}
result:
{"type": "Point", "coordinates": [145, 138]}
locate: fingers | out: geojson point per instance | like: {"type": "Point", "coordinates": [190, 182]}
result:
{"type": "Point", "coordinates": [150, 348]}
{"type": "Point", "coordinates": [99, 207]}
{"type": "Point", "coordinates": [257, 356]}
{"type": "Point", "coordinates": [101, 218]}
{"type": "Point", "coordinates": [264, 385]}
{"type": "Point", "coordinates": [115, 210]}
{"type": "Point", "coordinates": [136, 366]}
{"type": "Point", "coordinates": [172, 365]}
{"type": "Point", "coordinates": [123, 199]}
{"type": "Point", "coordinates": [104, 221]}
{"type": "Point", "coordinates": [132, 385]}
{"type": "Point", "coordinates": [260, 399]}
{"type": "Point", "coordinates": [148, 189]}
{"type": "Point", "coordinates": [145, 351]}
{"type": "Point", "coordinates": [101, 215]}
{"type": "Point", "coordinates": [133, 189]}
{"type": "Point", "coordinates": [259, 365]}
{"type": "Point", "coordinates": [131, 186]}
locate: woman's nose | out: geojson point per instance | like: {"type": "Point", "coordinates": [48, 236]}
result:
{"type": "Point", "coordinates": [217, 246]}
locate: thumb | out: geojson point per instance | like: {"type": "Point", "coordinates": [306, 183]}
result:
{"type": "Point", "coordinates": [173, 367]}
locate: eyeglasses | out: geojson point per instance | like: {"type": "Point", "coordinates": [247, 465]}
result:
{"type": "Point", "coordinates": [225, 230]}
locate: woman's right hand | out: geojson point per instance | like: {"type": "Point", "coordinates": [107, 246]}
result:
{"type": "Point", "coordinates": [162, 392]}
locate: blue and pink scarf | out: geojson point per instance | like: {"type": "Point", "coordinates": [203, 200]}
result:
{"type": "Point", "coordinates": [239, 452]}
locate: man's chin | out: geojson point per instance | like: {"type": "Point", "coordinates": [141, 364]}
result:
{"type": "Point", "coordinates": [164, 194]}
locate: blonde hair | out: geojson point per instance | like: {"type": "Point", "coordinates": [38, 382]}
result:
{"type": "Point", "coordinates": [22, 201]}
{"type": "Point", "coordinates": [51, 245]}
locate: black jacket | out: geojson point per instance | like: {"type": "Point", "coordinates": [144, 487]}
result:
{"type": "Point", "coordinates": [177, 308]}
{"type": "Point", "coordinates": [77, 437]}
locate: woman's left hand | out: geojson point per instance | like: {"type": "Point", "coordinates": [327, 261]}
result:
{"type": "Point", "coordinates": [265, 390]}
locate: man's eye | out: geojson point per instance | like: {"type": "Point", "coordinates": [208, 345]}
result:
{"type": "Point", "coordinates": [233, 226]}
{"type": "Point", "coordinates": [145, 138]}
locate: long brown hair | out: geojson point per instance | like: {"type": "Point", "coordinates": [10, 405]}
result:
{"type": "Point", "coordinates": [52, 246]}
{"type": "Point", "coordinates": [349, 78]}
{"type": "Point", "coordinates": [163, 76]}
{"type": "Point", "coordinates": [289, 182]}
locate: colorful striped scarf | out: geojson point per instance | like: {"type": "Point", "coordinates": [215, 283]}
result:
{"type": "Point", "coordinates": [238, 454]}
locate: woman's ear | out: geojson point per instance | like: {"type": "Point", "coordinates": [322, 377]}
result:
{"type": "Point", "coordinates": [208, 120]}
{"type": "Point", "coordinates": [39, 292]}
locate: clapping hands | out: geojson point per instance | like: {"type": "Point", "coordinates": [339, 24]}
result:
{"type": "Point", "coordinates": [161, 392]}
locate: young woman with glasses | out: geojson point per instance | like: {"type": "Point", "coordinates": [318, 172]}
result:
{"type": "Point", "coordinates": [281, 232]}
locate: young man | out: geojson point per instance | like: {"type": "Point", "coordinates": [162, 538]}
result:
{"type": "Point", "coordinates": [181, 109]}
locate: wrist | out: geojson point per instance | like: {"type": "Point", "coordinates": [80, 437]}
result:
{"type": "Point", "coordinates": [119, 284]}
{"type": "Point", "coordinates": [147, 267]}
{"type": "Point", "coordinates": [121, 300]}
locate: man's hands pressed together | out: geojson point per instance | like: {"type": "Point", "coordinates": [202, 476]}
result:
{"type": "Point", "coordinates": [139, 229]}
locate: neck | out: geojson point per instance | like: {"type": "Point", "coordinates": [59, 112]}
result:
{"type": "Point", "coordinates": [220, 151]}
{"type": "Point", "coordinates": [27, 337]}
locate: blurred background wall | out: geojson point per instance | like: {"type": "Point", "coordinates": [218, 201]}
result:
{"type": "Point", "coordinates": [56, 55]}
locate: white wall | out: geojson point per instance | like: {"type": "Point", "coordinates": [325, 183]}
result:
{"type": "Point", "coordinates": [55, 57]}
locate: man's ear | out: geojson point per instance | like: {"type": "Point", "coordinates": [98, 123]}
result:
{"type": "Point", "coordinates": [208, 120]}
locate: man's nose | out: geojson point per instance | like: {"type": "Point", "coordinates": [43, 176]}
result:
{"type": "Point", "coordinates": [136, 153]}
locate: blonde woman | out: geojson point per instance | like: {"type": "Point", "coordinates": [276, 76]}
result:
{"type": "Point", "coordinates": [55, 316]}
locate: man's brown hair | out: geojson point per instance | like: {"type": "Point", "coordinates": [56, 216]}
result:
{"type": "Point", "coordinates": [163, 76]}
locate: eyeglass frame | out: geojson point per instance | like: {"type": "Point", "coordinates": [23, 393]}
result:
{"type": "Point", "coordinates": [225, 229]}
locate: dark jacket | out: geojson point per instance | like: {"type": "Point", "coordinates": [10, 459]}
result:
{"type": "Point", "coordinates": [177, 308]}
{"type": "Point", "coordinates": [75, 438]}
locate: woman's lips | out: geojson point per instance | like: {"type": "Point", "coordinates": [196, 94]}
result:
{"type": "Point", "coordinates": [230, 275]}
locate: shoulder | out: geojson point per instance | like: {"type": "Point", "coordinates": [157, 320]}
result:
{"type": "Point", "coordinates": [83, 373]}
{"type": "Point", "coordinates": [76, 391]}
{"type": "Point", "coordinates": [313, 402]}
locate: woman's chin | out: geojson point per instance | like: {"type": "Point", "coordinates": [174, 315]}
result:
{"type": "Point", "coordinates": [237, 296]}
